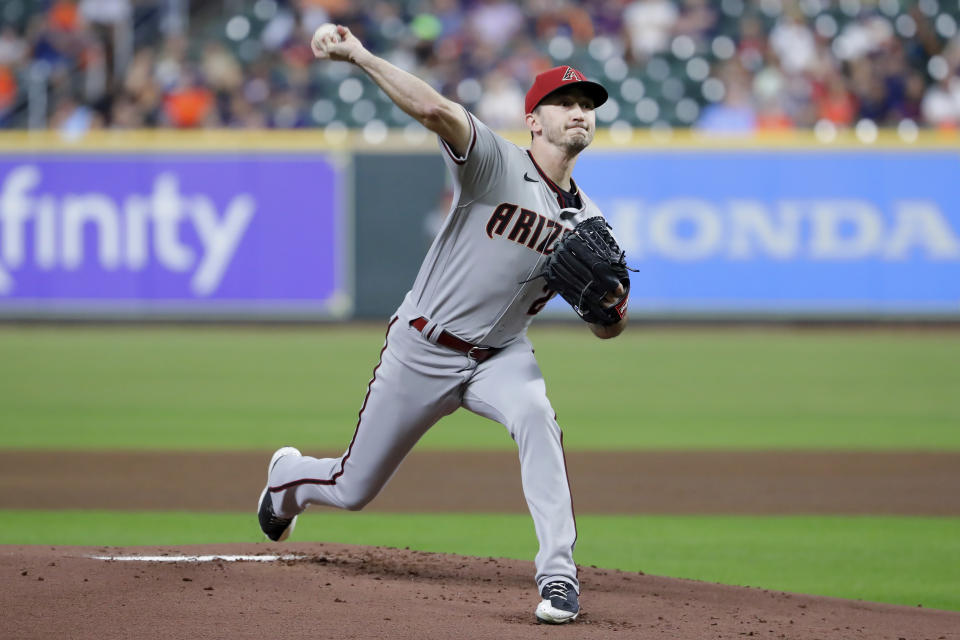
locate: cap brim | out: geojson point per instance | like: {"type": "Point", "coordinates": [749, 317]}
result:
{"type": "Point", "coordinates": [595, 90]}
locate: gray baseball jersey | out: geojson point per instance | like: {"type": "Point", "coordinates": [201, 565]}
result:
{"type": "Point", "coordinates": [505, 219]}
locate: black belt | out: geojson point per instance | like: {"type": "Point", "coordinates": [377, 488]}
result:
{"type": "Point", "coordinates": [451, 341]}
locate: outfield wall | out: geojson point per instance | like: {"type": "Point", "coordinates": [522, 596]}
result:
{"type": "Point", "coordinates": [295, 225]}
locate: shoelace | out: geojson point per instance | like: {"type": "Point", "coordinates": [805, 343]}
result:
{"type": "Point", "coordinates": [557, 589]}
{"type": "Point", "coordinates": [274, 520]}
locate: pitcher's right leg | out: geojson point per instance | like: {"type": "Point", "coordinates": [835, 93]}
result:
{"type": "Point", "coordinates": [509, 388]}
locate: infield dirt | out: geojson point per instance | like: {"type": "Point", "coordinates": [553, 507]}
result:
{"type": "Point", "coordinates": [329, 591]}
{"type": "Point", "coordinates": [773, 482]}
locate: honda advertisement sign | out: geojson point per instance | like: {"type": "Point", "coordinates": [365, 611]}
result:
{"type": "Point", "coordinates": [788, 231]}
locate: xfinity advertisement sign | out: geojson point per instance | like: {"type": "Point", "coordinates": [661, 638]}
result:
{"type": "Point", "coordinates": [158, 232]}
{"type": "Point", "coordinates": [784, 231]}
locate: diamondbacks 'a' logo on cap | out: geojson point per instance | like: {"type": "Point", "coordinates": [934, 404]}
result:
{"type": "Point", "coordinates": [571, 74]}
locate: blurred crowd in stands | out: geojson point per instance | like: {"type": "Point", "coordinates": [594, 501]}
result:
{"type": "Point", "coordinates": [735, 66]}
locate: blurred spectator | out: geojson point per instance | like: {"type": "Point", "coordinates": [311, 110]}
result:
{"type": "Point", "coordinates": [141, 88]}
{"type": "Point", "coordinates": [941, 104]}
{"type": "Point", "coordinates": [772, 117]}
{"type": "Point", "coordinates": [63, 16]}
{"type": "Point", "coordinates": [73, 119]}
{"type": "Point", "coordinates": [891, 69]}
{"type": "Point", "coordinates": [494, 23]}
{"type": "Point", "coordinates": [561, 17]}
{"type": "Point", "coordinates": [314, 13]}
{"type": "Point", "coordinates": [769, 83]}
{"type": "Point", "coordinates": [126, 114]}
{"type": "Point", "coordinates": [736, 65]}
{"type": "Point", "coordinates": [752, 44]}
{"type": "Point", "coordinates": [735, 114]}
{"type": "Point", "coordinates": [105, 11]}
{"type": "Point", "coordinates": [793, 42]}
{"type": "Point", "coordinates": [8, 88]}
{"type": "Point", "coordinates": [502, 103]}
{"type": "Point", "coordinates": [12, 48]}
{"type": "Point", "coordinates": [189, 104]}
{"type": "Point", "coordinates": [171, 64]}
{"type": "Point", "coordinates": [221, 71]}
{"type": "Point", "coordinates": [449, 16]}
{"type": "Point", "coordinates": [243, 115]}
{"type": "Point", "coordinates": [648, 25]}
{"type": "Point", "coordinates": [697, 19]}
{"type": "Point", "coordinates": [868, 35]}
{"type": "Point", "coordinates": [913, 92]}
{"type": "Point", "coordinates": [770, 93]}
{"type": "Point", "coordinates": [287, 111]}
{"type": "Point", "coordinates": [869, 91]}
{"type": "Point", "coordinates": [836, 105]}
{"type": "Point", "coordinates": [104, 19]}
{"type": "Point", "coordinates": [525, 63]}
{"type": "Point", "coordinates": [58, 36]}
{"type": "Point", "coordinates": [282, 26]}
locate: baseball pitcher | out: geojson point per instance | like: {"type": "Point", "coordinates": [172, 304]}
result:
{"type": "Point", "coordinates": [519, 231]}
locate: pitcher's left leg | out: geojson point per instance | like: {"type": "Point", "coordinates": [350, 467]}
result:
{"type": "Point", "coordinates": [509, 388]}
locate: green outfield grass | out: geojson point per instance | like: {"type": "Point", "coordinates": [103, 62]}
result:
{"type": "Point", "coordinates": [906, 561]}
{"type": "Point", "coordinates": [245, 388]}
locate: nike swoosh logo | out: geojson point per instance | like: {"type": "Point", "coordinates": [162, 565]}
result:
{"type": "Point", "coordinates": [528, 178]}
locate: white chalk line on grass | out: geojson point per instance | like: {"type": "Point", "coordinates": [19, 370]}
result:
{"type": "Point", "coordinates": [211, 558]}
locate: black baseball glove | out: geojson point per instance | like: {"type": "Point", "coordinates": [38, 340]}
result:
{"type": "Point", "coordinates": [585, 268]}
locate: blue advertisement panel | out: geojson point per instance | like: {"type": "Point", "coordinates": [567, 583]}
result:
{"type": "Point", "coordinates": [784, 231]}
{"type": "Point", "coordinates": [158, 231]}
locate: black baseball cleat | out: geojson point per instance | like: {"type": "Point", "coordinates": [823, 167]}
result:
{"type": "Point", "coordinates": [274, 527]}
{"type": "Point", "coordinates": [560, 603]}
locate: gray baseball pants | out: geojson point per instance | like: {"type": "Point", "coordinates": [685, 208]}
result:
{"type": "Point", "coordinates": [415, 384]}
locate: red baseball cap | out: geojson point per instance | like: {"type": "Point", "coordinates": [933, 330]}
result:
{"type": "Point", "coordinates": [558, 78]}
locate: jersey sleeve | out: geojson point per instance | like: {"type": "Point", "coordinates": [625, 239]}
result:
{"type": "Point", "coordinates": [482, 164]}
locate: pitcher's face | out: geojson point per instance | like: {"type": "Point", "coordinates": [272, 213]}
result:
{"type": "Point", "coordinates": [567, 119]}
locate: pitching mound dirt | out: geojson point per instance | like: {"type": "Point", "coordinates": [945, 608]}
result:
{"type": "Point", "coordinates": [322, 591]}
